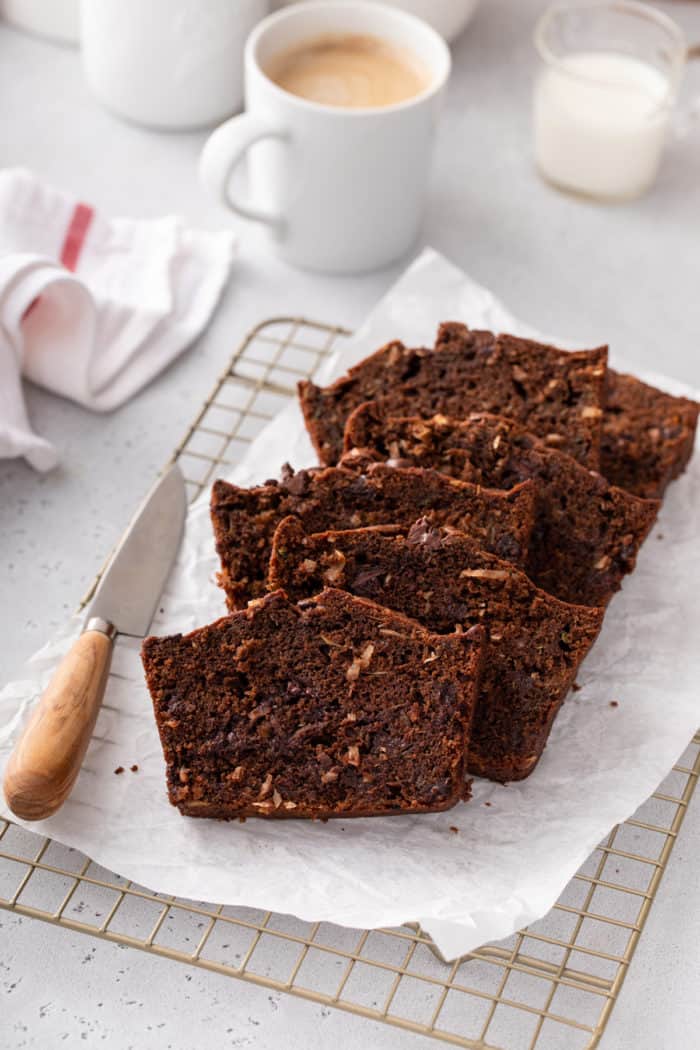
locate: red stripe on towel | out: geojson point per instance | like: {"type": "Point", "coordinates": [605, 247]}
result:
{"type": "Point", "coordinates": [75, 235]}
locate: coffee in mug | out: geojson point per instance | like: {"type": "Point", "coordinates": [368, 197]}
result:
{"type": "Point", "coordinates": [354, 70]}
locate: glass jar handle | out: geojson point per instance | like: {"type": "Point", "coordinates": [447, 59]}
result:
{"type": "Point", "coordinates": [688, 118]}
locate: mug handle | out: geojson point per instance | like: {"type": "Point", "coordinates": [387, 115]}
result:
{"type": "Point", "coordinates": [223, 152]}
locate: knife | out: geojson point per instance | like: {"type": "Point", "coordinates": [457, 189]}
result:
{"type": "Point", "coordinates": [47, 757]}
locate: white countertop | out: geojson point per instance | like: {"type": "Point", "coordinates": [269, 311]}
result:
{"type": "Point", "coordinates": [626, 274]}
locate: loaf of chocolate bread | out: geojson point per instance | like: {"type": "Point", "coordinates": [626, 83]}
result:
{"type": "Point", "coordinates": [244, 520]}
{"type": "Point", "coordinates": [331, 708]}
{"type": "Point", "coordinates": [558, 394]}
{"type": "Point", "coordinates": [444, 581]}
{"type": "Point", "coordinates": [648, 436]}
{"type": "Point", "coordinates": [587, 533]}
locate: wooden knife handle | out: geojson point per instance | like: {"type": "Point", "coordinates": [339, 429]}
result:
{"type": "Point", "coordinates": [47, 757]}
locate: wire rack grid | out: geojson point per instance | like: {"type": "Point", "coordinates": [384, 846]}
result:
{"type": "Point", "coordinates": [551, 986]}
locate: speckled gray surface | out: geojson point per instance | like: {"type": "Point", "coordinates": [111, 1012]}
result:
{"type": "Point", "coordinates": [628, 274]}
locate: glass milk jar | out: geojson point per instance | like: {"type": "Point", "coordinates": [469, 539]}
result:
{"type": "Point", "coordinates": [604, 96]}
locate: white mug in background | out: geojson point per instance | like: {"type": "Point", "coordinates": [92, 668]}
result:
{"type": "Point", "coordinates": [605, 95]}
{"type": "Point", "coordinates": [449, 17]}
{"type": "Point", "coordinates": [169, 64]}
{"type": "Point", "coordinates": [337, 189]}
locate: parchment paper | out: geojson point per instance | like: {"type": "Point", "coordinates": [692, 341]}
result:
{"type": "Point", "coordinates": [509, 861]}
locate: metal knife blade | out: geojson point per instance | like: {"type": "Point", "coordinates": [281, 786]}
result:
{"type": "Point", "coordinates": [132, 583]}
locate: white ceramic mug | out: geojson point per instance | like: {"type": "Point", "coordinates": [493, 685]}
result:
{"type": "Point", "coordinates": [449, 17]}
{"type": "Point", "coordinates": [337, 189]}
{"type": "Point", "coordinates": [168, 64]}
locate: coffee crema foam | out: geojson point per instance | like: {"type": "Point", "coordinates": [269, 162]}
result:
{"type": "Point", "coordinates": [356, 71]}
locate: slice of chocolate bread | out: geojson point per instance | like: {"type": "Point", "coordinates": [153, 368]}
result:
{"type": "Point", "coordinates": [648, 436]}
{"type": "Point", "coordinates": [558, 394]}
{"type": "Point", "coordinates": [332, 708]}
{"type": "Point", "coordinates": [444, 581]}
{"type": "Point", "coordinates": [244, 520]}
{"type": "Point", "coordinates": [587, 533]}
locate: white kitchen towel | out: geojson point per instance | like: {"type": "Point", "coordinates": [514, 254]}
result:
{"type": "Point", "coordinates": [92, 308]}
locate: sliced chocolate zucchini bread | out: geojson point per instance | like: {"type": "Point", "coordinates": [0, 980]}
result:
{"type": "Point", "coordinates": [443, 580]}
{"type": "Point", "coordinates": [587, 532]}
{"type": "Point", "coordinates": [558, 394]}
{"type": "Point", "coordinates": [648, 436]}
{"type": "Point", "coordinates": [244, 520]}
{"type": "Point", "coordinates": [331, 708]}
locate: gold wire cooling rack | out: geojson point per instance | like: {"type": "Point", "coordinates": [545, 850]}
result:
{"type": "Point", "coordinates": [549, 987]}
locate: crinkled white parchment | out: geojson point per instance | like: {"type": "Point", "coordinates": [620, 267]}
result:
{"type": "Point", "coordinates": [510, 860]}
